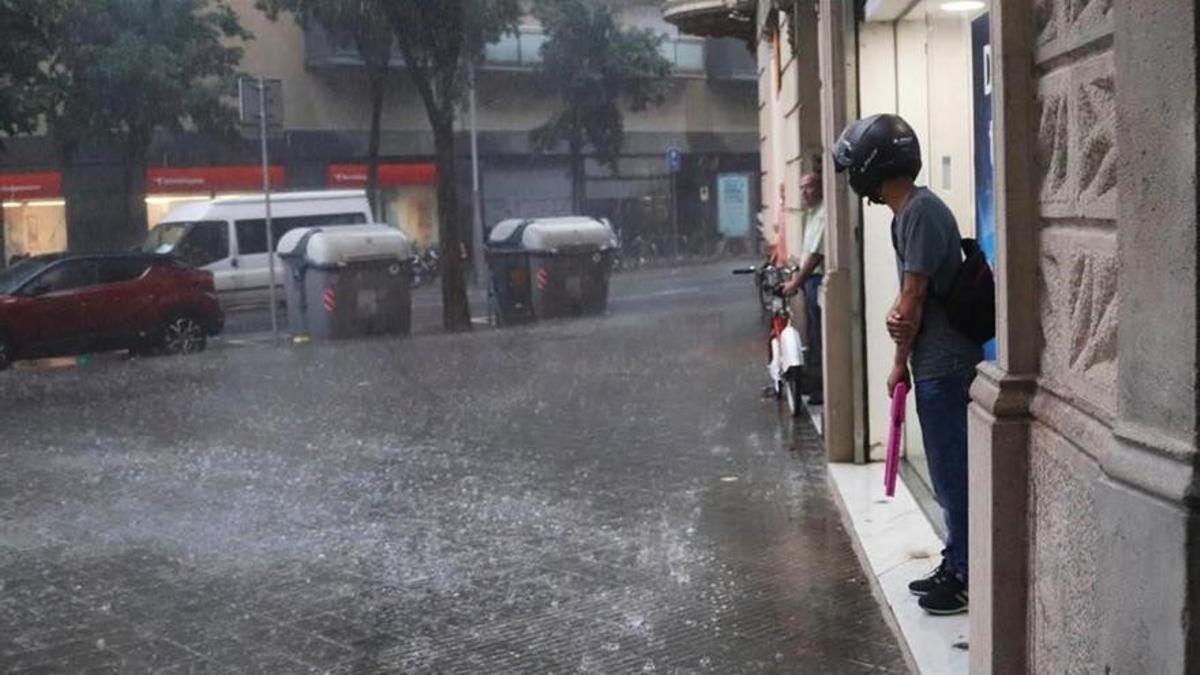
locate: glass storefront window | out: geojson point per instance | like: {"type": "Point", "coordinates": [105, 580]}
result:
{"type": "Point", "coordinates": [159, 205]}
{"type": "Point", "coordinates": [921, 66]}
{"type": "Point", "coordinates": [35, 227]}
{"type": "Point", "coordinates": [413, 210]}
{"type": "Point", "coordinates": [936, 94]}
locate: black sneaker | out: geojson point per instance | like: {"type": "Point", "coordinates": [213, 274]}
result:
{"type": "Point", "coordinates": [950, 597]}
{"type": "Point", "coordinates": [935, 578]}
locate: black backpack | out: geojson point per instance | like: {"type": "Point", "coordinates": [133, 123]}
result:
{"type": "Point", "coordinates": [971, 299]}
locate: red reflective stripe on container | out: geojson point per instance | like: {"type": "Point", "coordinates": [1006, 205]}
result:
{"type": "Point", "coordinates": [329, 299]}
{"type": "Point", "coordinates": [209, 179]}
{"type": "Point", "coordinates": [36, 185]}
{"type": "Point", "coordinates": [355, 175]}
{"type": "Point", "coordinates": [543, 278]}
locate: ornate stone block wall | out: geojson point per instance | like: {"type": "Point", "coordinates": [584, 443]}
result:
{"type": "Point", "coordinates": [1064, 606]}
{"type": "Point", "coordinates": [1078, 302]}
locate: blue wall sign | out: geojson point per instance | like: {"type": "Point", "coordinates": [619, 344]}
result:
{"type": "Point", "coordinates": [733, 204]}
{"type": "Point", "coordinates": [985, 215]}
{"type": "Point", "coordinates": [674, 160]}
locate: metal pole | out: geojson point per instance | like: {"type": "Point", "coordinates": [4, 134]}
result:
{"type": "Point", "coordinates": [674, 221]}
{"type": "Point", "coordinates": [477, 224]}
{"type": "Point", "coordinates": [266, 171]}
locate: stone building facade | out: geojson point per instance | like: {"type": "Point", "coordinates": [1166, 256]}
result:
{"type": "Point", "coordinates": [1085, 534]}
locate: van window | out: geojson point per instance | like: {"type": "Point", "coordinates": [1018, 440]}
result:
{"type": "Point", "coordinates": [164, 237]}
{"type": "Point", "coordinates": [251, 234]}
{"type": "Point", "coordinates": [206, 243]}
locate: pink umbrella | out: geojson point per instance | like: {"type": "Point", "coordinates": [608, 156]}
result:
{"type": "Point", "coordinates": [892, 466]}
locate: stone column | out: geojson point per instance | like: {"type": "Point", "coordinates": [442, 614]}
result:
{"type": "Point", "coordinates": [843, 409]}
{"type": "Point", "coordinates": [999, 416]}
{"type": "Point", "coordinates": [1150, 560]}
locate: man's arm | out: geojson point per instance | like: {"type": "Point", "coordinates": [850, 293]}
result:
{"type": "Point", "coordinates": [811, 262]}
{"type": "Point", "coordinates": [904, 321]}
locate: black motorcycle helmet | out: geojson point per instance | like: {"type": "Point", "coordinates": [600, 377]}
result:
{"type": "Point", "coordinates": [875, 149]}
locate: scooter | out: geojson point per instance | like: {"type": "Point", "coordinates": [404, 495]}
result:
{"type": "Point", "coordinates": [786, 364]}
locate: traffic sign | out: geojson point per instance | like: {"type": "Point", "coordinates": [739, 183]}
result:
{"type": "Point", "coordinates": [674, 160]}
{"type": "Point", "coordinates": [251, 104]}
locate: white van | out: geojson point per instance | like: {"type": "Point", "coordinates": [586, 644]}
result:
{"type": "Point", "coordinates": [228, 237]}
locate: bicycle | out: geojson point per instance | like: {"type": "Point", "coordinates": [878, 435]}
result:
{"type": "Point", "coordinates": [785, 365]}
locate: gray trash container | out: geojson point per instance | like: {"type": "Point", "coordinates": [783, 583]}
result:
{"type": "Point", "coordinates": [549, 267]}
{"type": "Point", "coordinates": [347, 281]}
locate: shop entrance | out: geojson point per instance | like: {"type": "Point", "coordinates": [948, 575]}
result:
{"type": "Point", "coordinates": [407, 196]}
{"type": "Point", "coordinates": [929, 63]}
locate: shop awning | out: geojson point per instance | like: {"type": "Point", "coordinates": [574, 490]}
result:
{"type": "Point", "coordinates": [209, 179]}
{"type": "Point", "coordinates": [24, 186]}
{"type": "Point", "coordinates": [390, 175]}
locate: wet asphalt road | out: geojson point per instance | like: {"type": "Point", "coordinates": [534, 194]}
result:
{"type": "Point", "coordinates": [601, 495]}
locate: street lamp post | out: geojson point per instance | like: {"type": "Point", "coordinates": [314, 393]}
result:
{"type": "Point", "coordinates": [476, 208]}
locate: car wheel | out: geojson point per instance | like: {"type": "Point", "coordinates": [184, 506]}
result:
{"type": "Point", "coordinates": [6, 351]}
{"type": "Point", "coordinates": [182, 334]}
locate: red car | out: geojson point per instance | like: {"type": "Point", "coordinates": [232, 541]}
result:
{"type": "Point", "coordinates": [63, 304]}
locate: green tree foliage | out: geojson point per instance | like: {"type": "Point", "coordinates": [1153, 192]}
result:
{"type": "Point", "coordinates": [593, 65]}
{"type": "Point", "coordinates": [29, 31]}
{"type": "Point", "coordinates": [131, 67]}
{"type": "Point", "coordinates": [365, 22]}
{"type": "Point", "coordinates": [438, 39]}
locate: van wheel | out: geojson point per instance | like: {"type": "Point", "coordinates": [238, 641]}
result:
{"type": "Point", "coordinates": [6, 351]}
{"type": "Point", "coordinates": [182, 334]}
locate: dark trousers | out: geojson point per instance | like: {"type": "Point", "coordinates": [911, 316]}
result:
{"type": "Point", "coordinates": [942, 409]}
{"type": "Point", "coordinates": [812, 313]}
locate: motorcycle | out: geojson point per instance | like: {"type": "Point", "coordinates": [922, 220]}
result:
{"type": "Point", "coordinates": [786, 362]}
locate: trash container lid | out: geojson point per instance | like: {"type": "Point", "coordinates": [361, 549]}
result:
{"type": "Point", "coordinates": [345, 244]}
{"type": "Point", "coordinates": [551, 234]}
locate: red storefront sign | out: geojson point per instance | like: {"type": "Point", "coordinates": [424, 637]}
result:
{"type": "Point", "coordinates": [355, 175]}
{"type": "Point", "coordinates": [210, 179]}
{"type": "Point", "coordinates": [23, 186]}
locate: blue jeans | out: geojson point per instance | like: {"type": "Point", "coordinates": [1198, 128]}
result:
{"type": "Point", "coordinates": [812, 312]}
{"type": "Point", "coordinates": [942, 409]}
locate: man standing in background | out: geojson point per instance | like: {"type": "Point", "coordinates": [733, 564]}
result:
{"type": "Point", "coordinates": [808, 278]}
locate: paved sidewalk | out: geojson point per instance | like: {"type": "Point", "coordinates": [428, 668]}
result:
{"type": "Point", "coordinates": [602, 495]}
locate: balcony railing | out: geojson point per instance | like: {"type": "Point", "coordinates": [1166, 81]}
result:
{"type": "Point", "coordinates": [514, 51]}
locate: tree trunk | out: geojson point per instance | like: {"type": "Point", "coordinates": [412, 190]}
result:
{"type": "Point", "coordinates": [456, 311]}
{"type": "Point", "coordinates": [377, 92]}
{"type": "Point", "coordinates": [133, 222]}
{"type": "Point", "coordinates": [578, 181]}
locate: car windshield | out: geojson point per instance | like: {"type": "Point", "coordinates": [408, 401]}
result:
{"type": "Point", "coordinates": [165, 237]}
{"type": "Point", "coordinates": [14, 277]}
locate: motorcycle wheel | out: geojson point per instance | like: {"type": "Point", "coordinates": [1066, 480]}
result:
{"type": "Point", "coordinates": [791, 392]}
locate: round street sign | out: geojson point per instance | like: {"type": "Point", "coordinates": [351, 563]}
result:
{"type": "Point", "coordinates": [674, 160]}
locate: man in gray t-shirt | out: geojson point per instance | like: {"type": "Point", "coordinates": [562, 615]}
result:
{"type": "Point", "coordinates": [882, 156]}
{"type": "Point", "coordinates": [926, 240]}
